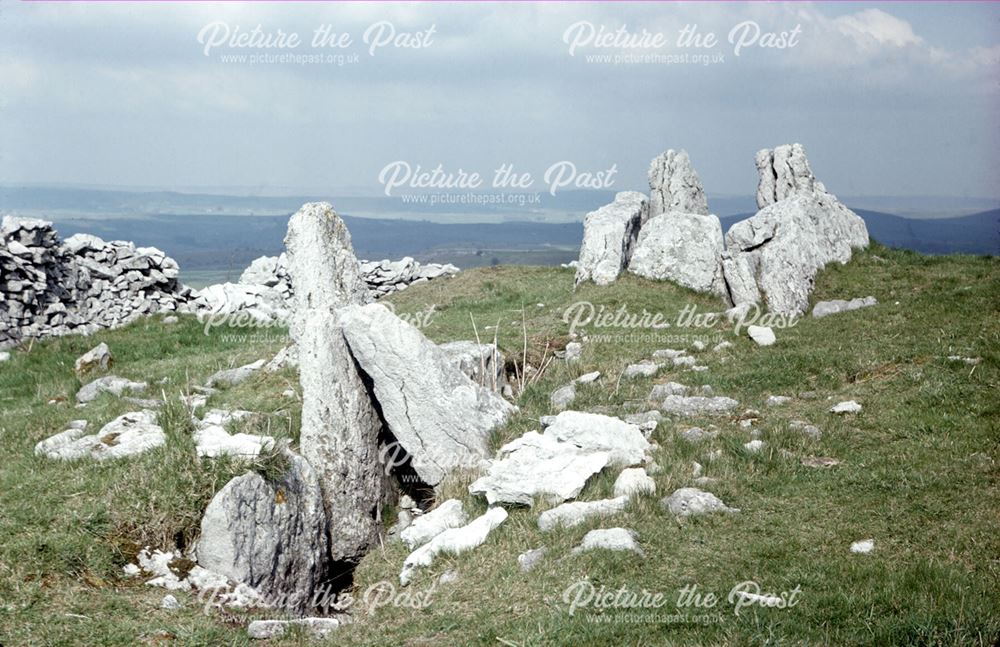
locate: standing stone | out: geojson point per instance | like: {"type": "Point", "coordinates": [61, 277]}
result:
{"type": "Point", "coordinates": [685, 248]}
{"type": "Point", "coordinates": [340, 426]}
{"type": "Point", "coordinates": [608, 237]}
{"type": "Point", "coordinates": [784, 172]}
{"type": "Point", "coordinates": [674, 185]}
{"type": "Point", "coordinates": [271, 536]}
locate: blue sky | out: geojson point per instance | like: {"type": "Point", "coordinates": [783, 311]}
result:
{"type": "Point", "coordinates": [889, 99]}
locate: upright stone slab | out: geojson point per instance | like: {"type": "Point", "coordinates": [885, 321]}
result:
{"type": "Point", "coordinates": [674, 185]}
{"type": "Point", "coordinates": [685, 248]}
{"type": "Point", "coordinates": [608, 237]}
{"type": "Point", "coordinates": [340, 426]}
{"type": "Point", "coordinates": [784, 172]}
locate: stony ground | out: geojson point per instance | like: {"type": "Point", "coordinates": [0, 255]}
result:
{"type": "Point", "coordinates": [918, 474]}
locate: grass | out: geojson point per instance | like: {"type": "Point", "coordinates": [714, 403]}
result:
{"type": "Point", "coordinates": [918, 474]}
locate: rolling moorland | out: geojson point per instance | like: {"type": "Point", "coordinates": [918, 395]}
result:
{"type": "Point", "coordinates": [918, 473]}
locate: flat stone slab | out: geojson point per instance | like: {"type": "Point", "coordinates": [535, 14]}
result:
{"type": "Point", "coordinates": [573, 514]}
{"type": "Point", "coordinates": [127, 435]}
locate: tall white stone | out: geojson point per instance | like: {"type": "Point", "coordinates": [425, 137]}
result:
{"type": "Point", "coordinates": [675, 186]}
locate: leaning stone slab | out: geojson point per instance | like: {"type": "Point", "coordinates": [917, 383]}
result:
{"type": "Point", "coordinates": [439, 416]}
{"type": "Point", "coordinates": [826, 308]}
{"type": "Point", "coordinates": [573, 514]}
{"type": "Point", "coordinates": [127, 435]}
{"type": "Point", "coordinates": [271, 536]}
{"type": "Point", "coordinates": [453, 541]}
{"type": "Point", "coordinates": [538, 466]}
{"type": "Point", "coordinates": [608, 237]}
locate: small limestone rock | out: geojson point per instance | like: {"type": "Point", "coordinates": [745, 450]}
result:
{"type": "Point", "coordinates": [696, 469]}
{"type": "Point", "coordinates": [820, 461]}
{"type": "Point", "coordinates": [848, 406]}
{"type": "Point", "coordinates": [169, 603]}
{"type": "Point", "coordinates": [98, 358]}
{"type": "Point", "coordinates": [642, 369]}
{"type": "Point", "coordinates": [127, 435]}
{"type": "Point", "coordinates": [108, 384]}
{"type": "Point", "coordinates": [689, 501]}
{"type": "Point", "coordinates": [697, 405]}
{"type": "Point", "coordinates": [573, 514]}
{"type": "Point", "coordinates": [562, 397]}
{"type": "Point", "coordinates": [825, 308]}
{"type": "Point", "coordinates": [428, 526]}
{"type": "Point", "coordinates": [754, 446]}
{"type": "Point", "coordinates": [762, 335]}
{"type": "Point", "coordinates": [453, 541]}
{"type": "Point", "coordinates": [315, 628]}
{"type": "Point", "coordinates": [863, 546]}
{"type": "Point", "coordinates": [234, 376]}
{"type": "Point", "coordinates": [697, 435]}
{"type": "Point", "coordinates": [634, 482]}
{"type": "Point", "coordinates": [614, 539]}
{"type": "Point", "coordinates": [531, 558]}
{"type": "Point", "coordinates": [4, 356]}
{"type": "Point", "coordinates": [778, 400]}
{"type": "Point", "coordinates": [573, 351]}
{"type": "Point", "coordinates": [588, 378]}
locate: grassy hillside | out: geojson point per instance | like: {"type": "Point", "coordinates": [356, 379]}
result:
{"type": "Point", "coordinates": [919, 474]}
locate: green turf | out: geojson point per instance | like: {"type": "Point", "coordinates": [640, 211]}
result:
{"type": "Point", "coordinates": [919, 475]}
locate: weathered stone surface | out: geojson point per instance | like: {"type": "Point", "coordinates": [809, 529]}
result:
{"type": "Point", "coordinates": [762, 335]}
{"type": "Point", "coordinates": [660, 391]}
{"type": "Point", "coordinates": [848, 406]}
{"type": "Point", "coordinates": [697, 435]}
{"type": "Point", "coordinates": [694, 405]}
{"type": "Point", "coordinates": [773, 257]}
{"type": "Point", "coordinates": [98, 358]}
{"type": "Point", "coordinates": [431, 524]}
{"type": "Point", "coordinates": [573, 514]}
{"type": "Point", "coordinates": [529, 559]}
{"type": "Point", "coordinates": [271, 536]}
{"type": "Point", "coordinates": [340, 425]}
{"type": "Point", "coordinates": [689, 501]}
{"type": "Point", "coordinates": [127, 435]}
{"type": "Point", "coordinates": [439, 416]}
{"type": "Point", "coordinates": [609, 235]}
{"type": "Point", "coordinates": [453, 541]}
{"type": "Point", "coordinates": [685, 248]}
{"type": "Point", "coordinates": [614, 539]}
{"type": "Point", "coordinates": [863, 546]}
{"type": "Point", "coordinates": [592, 432]}
{"type": "Point", "coordinates": [108, 384]}
{"type": "Point", "coordinates": [233, 376]}
{"type": "Point", "coordinates": [315, 628]}
{"type": "Point", "coordinates": [634, 482]}
{"type": "Point", "coordinates": [675, 186]}
{"type": "Point", "coordinates": [825, 308]}
{"type": "Point", "coordinates": [784, 172]}
{"type": "Point", "coordinates": [562, 397]}
{"type": "Point", "coordinates": [642, 369]}
{"type": "Point", "coordinates": [537, 465]}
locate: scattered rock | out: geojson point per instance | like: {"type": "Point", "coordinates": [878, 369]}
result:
{"type": "Point", "coordinates": [233, 376]}
{"type": "Point", "coordinates": [971, 361]}
{"type": "Point", "coordinates": [4, 356]}
{"type": "Point", "coordinates": [108, 384]}
{"type": "Point", "coordinates": [848, 406]}
{"type": "Point", "coordinates": [453, 541]}
{"type": "Point", "coordinates": [762, 335]}
{"type": "Point", "coordinates": [722, 345]}
{"type": "Point", "coordinates": [588, 378]}
{"type": "Point", "coordinates": [431, 524]}
{"type": "Point", "coordinates": [573, 351]}
{"type": "Point", "coordinates": [754, 446]}
{"type": "Point", "coordinates": [777, 400]}
{"type": "Point", "coordinates": [127, 435]}
{"type": "Point", "coordinates": [562, 397]}
{"type": "Point", "coordinates": [634, 482]}
{"type": "Point", "coordinates": [573, 514]}
{"type": "Point", "coordinates": [212, 441]}
{"type": "Point", "coordinates": [689, 501]}
{"type": "Point", "coordinates": [614, 539]}
{"type": "Point", "coordinates": [697, 435]}
{"type": "Point", "coordinates": [169, 603]}
{"type": "Point", "coordinates": [98, 358]}
{"type": "Point", "coordinates": [661, 391]}
{"type": "Point", "coordinates": [531, 558]}
{"type": "Point", "coordinates": [825, 308]}
{"type": "Point", "coordinates": [315, 628]}
{"type": "Point", "coordinates": [863, 546]}
{"type": "Point", "coordinates": [695, 405]}
{"type": "Point", "coordinates": [809, 430]}
{"type": "Point", "coordinates": [642, 369]}
{"type": "Point", "coordinates": [667, 354]}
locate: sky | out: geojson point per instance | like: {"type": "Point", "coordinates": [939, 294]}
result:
{"type": "Point", "coordinates": [888, 99]}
